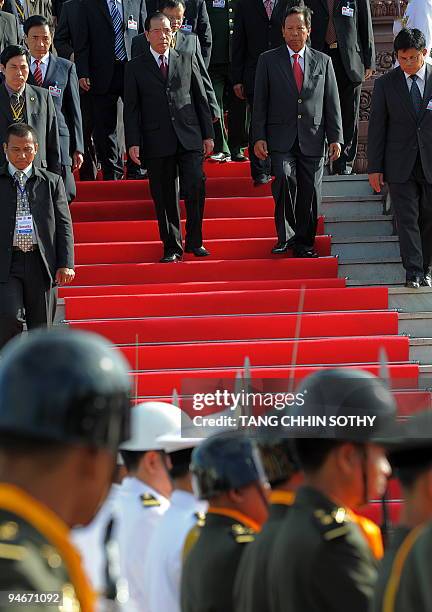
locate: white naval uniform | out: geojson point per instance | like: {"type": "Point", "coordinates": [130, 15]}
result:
{"type": "Point", "coordinates": [162, 571]}
{"type": "Point", "coordinates": [135, 523]}
{"type": "Point", "coordinates": [418, 14]}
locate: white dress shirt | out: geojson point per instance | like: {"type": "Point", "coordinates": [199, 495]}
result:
{"type": "Point", "coordinates": [157, 55]}
{"type": "Point", "coordinates": [301, 53]}
{"type": "Point", "coordinates": [421, 74]}
{"type": "Point", "coordinates": [134, 525]}
{"type": "Point", "coordinates": [162, 572]}
{"type": "Point", "coordinates": [43, 65]}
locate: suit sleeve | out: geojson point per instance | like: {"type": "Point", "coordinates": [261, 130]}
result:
{"type": "Point", "coordinates": [82, 49]}
{"type": "Point", "coordinates": [16, 35]}
{"type": "Point", "coordinates": [203, 30]}
{"type": "Point", "coordinates": [208, 86]}
{"type": "Point", "coordinates": [332, 108]}
{"type": "Point", "coordinates": [238, 45]}
{"type": "Point", "coordinates": [200, 101]}
{"type": "Point", "coordinates": [52, 138]}
{"type": "Point", "coordinates": [261, 95]}
{"type": "Point", "coordinates": [143, 16]}
{"type": "Point", "coordinates": [377, 131]}
{"type": "Point", "coordinates": [131, 110]}
{"type": "Point", "coordinates": [73, 109]}
{"type": "Point", "coordinates": [366, 33]}
{"type": "Point", "coordinates": [138, 45]}
{"type": "Point", "coordinates": [63, 227]}
{"type": "Point", "coordinates": [62, 37]}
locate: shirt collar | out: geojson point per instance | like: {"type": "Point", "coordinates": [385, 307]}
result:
{"type": "Point", "coordinates": [44, 59]}
{"type": "Point", "coordinates": [420, 73]}
{"type": "Point", "coordinates": [27, 171]}
{"type": "Point", "coordinates": [301, 52]}
{"type": "Point", "coordinates": [157, 55]}
{"type": "Point", "coordinates": [11, 91]}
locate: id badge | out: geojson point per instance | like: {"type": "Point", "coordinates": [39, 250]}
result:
{"type": "Point", "coordinates": [218, 3]}
{"type": "Point", "coordinates": [429, 106]}
{"type": "Point", "coordinates": [55, 91]}
{"type": "Point", "coordinates": [24, 225]}
{"type": "Point", "coordinates": [347, 11]}
{"type": "Point", "coordinates": [132, 24]}
{"type": "Point", "coordinates": [186, 27]}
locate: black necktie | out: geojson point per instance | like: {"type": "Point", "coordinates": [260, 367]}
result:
{"type": "Point", "coordinates": [416, 96]}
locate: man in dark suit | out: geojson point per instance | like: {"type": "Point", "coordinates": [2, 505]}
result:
{"type": "Point", "coordinates": [257, 28]}
{"type": "Point", "coordinates": [23, 9]}
{"type": "Point", "coordinates": [65, 41]}
{"type": "Point", "coordinates": [9, 29]}
{"type": "Point", "coordinates": [168, 127]}
{"type": "Point", "coordinates": [182, 42]}
{"type": "Point", "coordinates": [23, 103]}
{"type": "Point", "coordinates": [35, 236]}
{"type": "Point", "coordinates": [343, 30]}
{"type": "Point", "coordinates": [104, 39]}
{"type": "Point", "coordinates": [296, 108]}
{"type": "Point", "coordinates": [400, 151]}
{"type": "Point", "coordinates": [59, 76]}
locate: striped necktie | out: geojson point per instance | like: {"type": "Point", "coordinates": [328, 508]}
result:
{"type": "Point", "coordinates": [119, 46]}
{"type": "Point", "coordinates": [38, 73]}
{"type": "Point", "coordinates": [17, 107]}
{"type": "Point", "coordinates": [20, 10]}
{"type": "Point", "coordinates": [23, 241]}
{"type": "Point", "coordinates": [416, 96]}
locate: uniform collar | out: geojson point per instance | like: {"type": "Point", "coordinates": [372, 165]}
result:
{"type": "Point", "coordinates": [284, 498]}
{"type": "Point", "coordinates": [131, 484]}
{"type": "Point", "coordinates": [237, 516]}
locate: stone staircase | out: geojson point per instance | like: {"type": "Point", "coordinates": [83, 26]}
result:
{"type": "Point", "coordinates": [364, 239]}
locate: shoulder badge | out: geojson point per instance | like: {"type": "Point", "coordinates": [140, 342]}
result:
{"type": "Point", "coordinates": [200, 518]}
{"type": "Point", "coordinates": [149, 501]}
{"type": "Point", "coordinates": [332, 525]}
{"type": "Point", "coordinates": [242, 534]}
{"type": "Point", "coordinates": [8, 531]}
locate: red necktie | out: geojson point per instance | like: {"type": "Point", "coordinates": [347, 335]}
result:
{"type": "Point", "coordinates": [38, 73]}
{"type": "Point", "coordinates": [298, 72]}
{"type": "Point", "coordinates": [163, 67]}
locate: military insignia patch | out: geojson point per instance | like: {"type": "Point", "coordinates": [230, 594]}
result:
{"type": "Point", "coordinates": [242, 534]}
{"type": "Point", "coordinates": [149, 501]}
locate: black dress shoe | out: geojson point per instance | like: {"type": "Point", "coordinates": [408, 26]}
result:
{"type": "Point", "coordinates": [137, 176]}
{"type": "Point", "coordinates": [282, 247]}
{"type": "Point", "coordinates": [169, 257]}
{"type": "Point", "coordinates": [262, 179]}
{"type": "Point", "coordinates": [305, 253]}
{"type": "Point", "coordinates": [413, 281]}
{"type": "Point", "coordinates": [220, 157]}
{"type": "Point", "coordinates": [239, 157]}
{"type": "Point", "coordinates": [199, 252]}
{"type": "Point", "coordinates": [427, 280]}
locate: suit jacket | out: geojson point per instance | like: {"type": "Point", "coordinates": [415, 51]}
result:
{"type": "Point", "coordinates": [185, 43]}
{"type": "Point", "coordinates": [34, 7]}
{"type": "Point", "coordinates": [40, 115]}
{"type": "Point", "coordinates": [66, 33]}
{"type": "Point", "coordinates": [94, 53]}
{"type": "Point", "coordinates": [61, 75]}
{"type": "Point", "coordinates": [354, 34]}
{"type": "Point", "coordinates": [51, 218]}
{"type": "Point", "coordinates": [159, 114]}
{"type": "Point", "coordinates": [9, 30]}
{"type": "Point", "coordinates": [396, 136]}
{"type": "Point", "coordinates": [281, 114]}
{"type": "Point", "coordinates": [195, 20]}
{"type": "Point", "coordinates": [253, 34]}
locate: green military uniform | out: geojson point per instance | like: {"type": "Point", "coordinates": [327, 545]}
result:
{"type": "Point", "coordinates": [387, 566]}
{"type": "Point", "coordinates": [221, 15]}
{"type": "Point", "coordinates": [30, 563]}
{"type": "Point", "coordinates": [250, 590]}
{"type": "Point", "coordinates": [321, 561]}
{"type": "Point", "coordinates": [210, 566]}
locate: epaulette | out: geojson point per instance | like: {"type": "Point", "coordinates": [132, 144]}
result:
{"type": "Point", "coordinates": [242, 534]}
{"type": "Point", "coordinates": [200, 518]}
{"type": "Point", "coordinates": [334, 524]}
{"type": "Point", "coordinates": [149, 501]}
{"type": "Point", "coordinates": [12, 552]}
{"type": "Point", "coordinates": [192, 537]}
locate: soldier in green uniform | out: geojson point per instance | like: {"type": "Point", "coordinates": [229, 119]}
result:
{"type": "Point", "coordinates": [227, 472]}
{"type": "Point", "coordinates": [283, 473]}
{"type": "Point", "coordinates": [404, 579]}
{"type": "Point", "coordinates": [325, 556]}
{"type": "Point", "coordinates": [228, 144]}
{"type": "Point", "coordinates": [64, 409]}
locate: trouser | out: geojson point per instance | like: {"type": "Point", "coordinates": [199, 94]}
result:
{"type": "Point", "coordinates": [229, 141]}
{"type": "Point", "coordinates": [412, 204]}
{"type": "Point", "coordinates": [105, 108]}
{"type": "Point", "coordinates": [88, 170]}
{"type": "Point", "coordinates": [349, 95]}
{"type": "Point", "coordinates": [296, 192]}
{"type": "Point", "coordinates": [26, 295]}
{"type": "Point", "coordinates": [164, 174]}
{"type": "Point", "coordinates": [69, 183]}
{"type": "Point", "coordinates": [258, 167]}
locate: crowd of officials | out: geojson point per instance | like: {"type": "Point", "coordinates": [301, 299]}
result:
{"type": "Point", "coordinates": [240, 520]}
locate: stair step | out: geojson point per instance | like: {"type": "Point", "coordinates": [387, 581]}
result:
{"type": "Point", "coordinates": [372, 225]}
{"type": "Point", "coordinates": [421, 350]}
{"type": "Point", "coordinates": [354, 184]}
{"type": "Point", "coordinates": [352, 206]}
{"type": "Point", "coordinates": [385, 271]}
{"type": "Point", "coordinates": [416, 324]}
{"type": "Point", "coordinates": [410, 300]}
{"type": "Point", "coordinates": [365, 247]}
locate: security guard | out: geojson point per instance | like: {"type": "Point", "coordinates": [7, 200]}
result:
{"type": "Point", "coordinates": [284, 476]}
{"type": "Point", "coordinates": [228, 472]}
{"type": "Point", "coordinates": [64, 409]}
{"type": "Point", "coordinates": [325, 557]}
{"type": "Point", "coordinates": [229, 143]}
{"type": "Point", "coordinates": [144, 493]}
{"type": "Point", "coordinates": [404, 582]}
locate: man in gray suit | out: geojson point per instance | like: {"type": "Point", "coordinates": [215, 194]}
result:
{"type": "Point", "coordinates": [9, 34]}
{"type": "Point", "coordinates": [296, 109]}
{"type": "Point", "coordinates": [400, 151]}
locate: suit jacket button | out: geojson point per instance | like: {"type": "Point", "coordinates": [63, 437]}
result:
{"type": "Point", "coordinates": [299, 100]}
{"type": "Point", "coordinates": [172, 118]}
{"type": "Point", "coordinates": [231, 31]}
{"type": "Point", "coordinates": [230, 10]}
{"type": "Point", "coordinates": [299, 116]}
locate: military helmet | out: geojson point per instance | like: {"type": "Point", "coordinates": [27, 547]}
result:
{"type": "Point", "coordinates": [63, 385]}
{"type": "Point", "coordinates": [225, 461]}
{"type": "Point", "coordinates": [150, 421]}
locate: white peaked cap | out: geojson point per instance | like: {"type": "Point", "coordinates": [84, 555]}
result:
{"type": "Point", "coordinates": [181, 438]}
{"type": "Point", "coordinates": [149, 421]}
